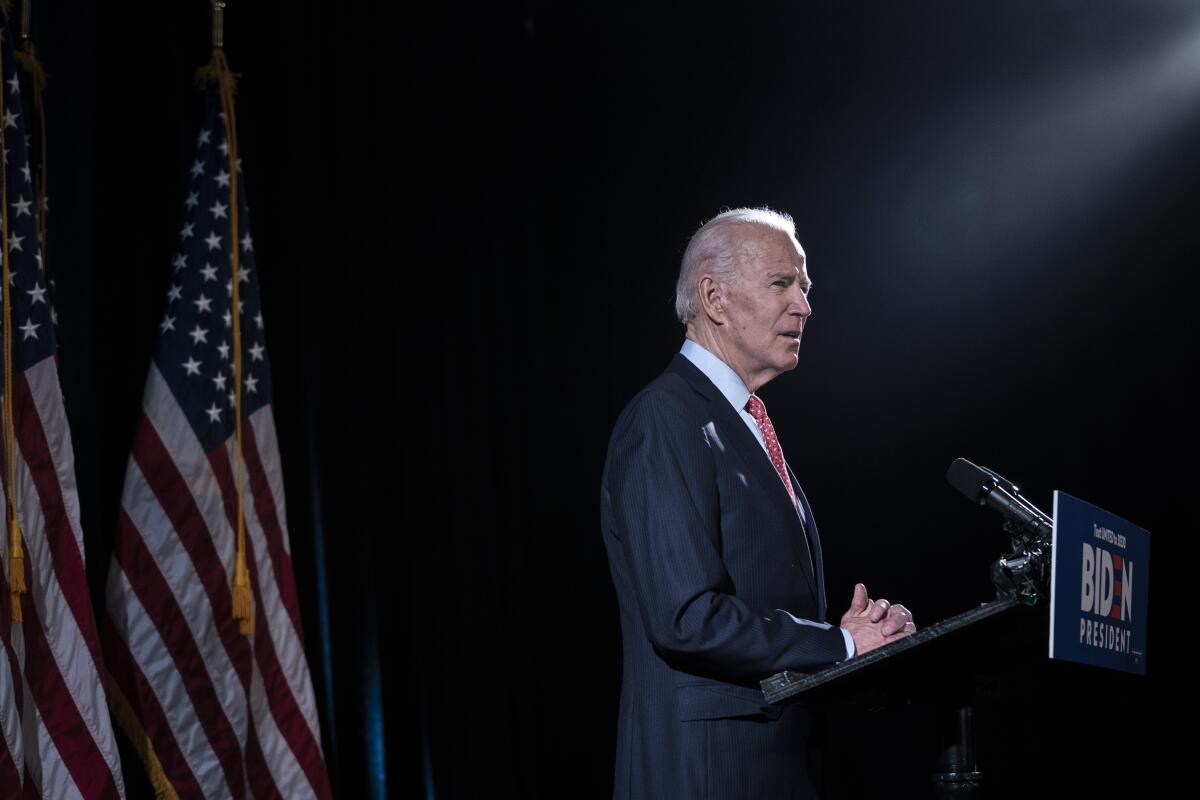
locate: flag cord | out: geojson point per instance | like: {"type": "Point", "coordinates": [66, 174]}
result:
{"type": "Point", "coordinates": [217, 70]}
{"type": "Point", "coordinates": [16, 554]}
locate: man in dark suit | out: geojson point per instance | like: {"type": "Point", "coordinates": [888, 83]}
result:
{"type": "Point", "coordinates": [712, 545]}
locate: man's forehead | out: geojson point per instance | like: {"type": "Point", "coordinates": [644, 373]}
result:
{"type": "Point", "coordinates": [769, 249]}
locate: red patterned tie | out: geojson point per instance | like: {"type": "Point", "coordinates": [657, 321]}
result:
{"type": "Point", "coordinates": [759, 412]}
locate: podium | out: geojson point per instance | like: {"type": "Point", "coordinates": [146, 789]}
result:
{"type": "Point", "coordinates": [975, 701]}
{"type": "Point", "coordinates": [779, 688]}
{"type": "Point", "coordinates": [930, 682]}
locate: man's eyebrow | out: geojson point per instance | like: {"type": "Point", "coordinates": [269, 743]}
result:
{"type": "Point", "coordinates": [790, 276]}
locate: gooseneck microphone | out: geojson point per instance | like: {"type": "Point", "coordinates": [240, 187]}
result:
{"type": "Point", "coordinates": [1024, 572]}
{"type": "Point", "coordinates": [982, 486]}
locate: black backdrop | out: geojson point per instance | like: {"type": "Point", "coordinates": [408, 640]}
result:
{"type": "Point", "coordinates": [468, 220]}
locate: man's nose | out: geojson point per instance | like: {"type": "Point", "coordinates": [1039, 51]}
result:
{"type": "Point", "coordinates": [800, 305]}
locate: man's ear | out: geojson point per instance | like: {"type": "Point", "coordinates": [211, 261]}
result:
{"type": "Point", "coordinates": [712, 298]}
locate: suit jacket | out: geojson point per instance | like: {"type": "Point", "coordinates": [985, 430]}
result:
{"type": "Point", "coordinates": [718, 587]}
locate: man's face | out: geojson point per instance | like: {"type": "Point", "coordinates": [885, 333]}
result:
{"type": "Point", "coordinates": [767, 306]}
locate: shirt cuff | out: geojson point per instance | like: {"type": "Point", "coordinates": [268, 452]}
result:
{"type": "Point", "coordinates": [849, 642]}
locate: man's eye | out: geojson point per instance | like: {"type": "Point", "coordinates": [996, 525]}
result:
{"type": "Point", "coordinates": [779, 283]}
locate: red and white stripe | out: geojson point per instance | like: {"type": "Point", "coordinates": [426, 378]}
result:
{"type": "Point", "coordinates": [227, 715]}
{"type": "Point", "coordinates": [56, 737]}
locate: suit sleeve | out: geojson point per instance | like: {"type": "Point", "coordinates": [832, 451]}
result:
{"type": "Point", "coordinates": [662, 495]}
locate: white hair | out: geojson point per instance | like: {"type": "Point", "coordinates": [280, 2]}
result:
{"type": "Point", "coordinates": [713, 250]}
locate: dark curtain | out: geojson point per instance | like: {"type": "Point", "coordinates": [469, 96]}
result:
{"type": "Point", "coordinates": [468, 219]}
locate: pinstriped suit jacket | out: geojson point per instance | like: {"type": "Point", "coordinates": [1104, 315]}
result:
{"type": "Point", "coordinates": [718, 587]}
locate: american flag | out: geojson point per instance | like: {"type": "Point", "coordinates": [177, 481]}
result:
{"type": "Point", "coordinates": [214, 713]}
{"type": "Point", "coordinates": [56, 738]}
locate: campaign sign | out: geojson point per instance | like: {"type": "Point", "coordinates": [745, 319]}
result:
{"type": "Point", "coordinates": [1099, 583]}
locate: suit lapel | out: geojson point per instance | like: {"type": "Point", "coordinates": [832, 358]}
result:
{"type": "Point", "coordinates": [735, 431]}
{"type": "Point", "coordinates": [814, 542]}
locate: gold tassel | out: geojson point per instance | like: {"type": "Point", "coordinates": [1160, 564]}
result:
{"type": "Point", "coordinates": [217, 71]}
{"type": "Point", "coordinates": [16, 575]}
{"type": "Point", "coordinates": [127, 719]}
{"type": "Point", "coordinates": [243, 602]}
{"type": "Point", "coordinates": [16, 568]}
{"type": "Point", "coordinates": [28, 60]}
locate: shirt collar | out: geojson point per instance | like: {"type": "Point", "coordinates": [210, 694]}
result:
{"type": "Point", "coordinates": [717, 371]}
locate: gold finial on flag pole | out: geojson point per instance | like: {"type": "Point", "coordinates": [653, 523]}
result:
{"type": "Point", "coordinates": [218, 26]}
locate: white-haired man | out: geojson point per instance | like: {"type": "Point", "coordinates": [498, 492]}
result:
{"type": "Point", "coordinates": [712, 545]}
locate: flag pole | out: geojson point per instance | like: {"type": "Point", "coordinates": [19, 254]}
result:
{"type": "Point", "coordinates": [16, 554]}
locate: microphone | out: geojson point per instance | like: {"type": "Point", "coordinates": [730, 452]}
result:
{"type": "Point", "coordinates": [986, 488]}
{"type": "Point", "coordinates": [1015, 491]}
